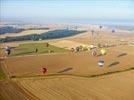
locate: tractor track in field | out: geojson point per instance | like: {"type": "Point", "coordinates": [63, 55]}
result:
{"type": "Point", "coordinates": [78, 88]}
{"type": "Point", "coordinates": [27, 93]}
{"type": "Point", "coordinates": [12, 85]}
{"type": "Point", "coordinates": [11, 89]}
{"type": "Point", "coordinates": [51, 76]}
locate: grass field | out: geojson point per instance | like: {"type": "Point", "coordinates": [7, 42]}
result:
{"type": "Point", "coordinates": [2, 74]}
{"type": "Point", "coordinates": [29, 49]}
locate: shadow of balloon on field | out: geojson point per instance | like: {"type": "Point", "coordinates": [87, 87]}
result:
{"type": "Point", "coordinates": [114, 63]}
{"type": "Point", "coordinates": [122, 54]}
{"type": "Point", "coordinates": [99, 55]}
{"type": "Point", "coordinates": [65, 70]}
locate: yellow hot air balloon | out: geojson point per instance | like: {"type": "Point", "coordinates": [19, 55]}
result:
{"type": "Point", "coordinates": [103, 51]}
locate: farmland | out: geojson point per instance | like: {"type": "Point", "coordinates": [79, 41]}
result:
{"type": "Point", "coordinates": [112, 87]}
{"type": "Point", "coordinates": [70, 75]}
{"type": "Point", "coordinates": [10, 90]}
{"type": "Point", "coordinates": [66, 50]}
{"type": "Point", "coordinates": [79, 63]}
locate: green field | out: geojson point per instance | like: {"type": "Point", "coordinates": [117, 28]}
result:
{"type": "Point", "coordinates": [2, 74]}
{"type": "Point", "coordinates": [29, 49]}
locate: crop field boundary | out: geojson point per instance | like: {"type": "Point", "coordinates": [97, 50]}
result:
{"type": "Point", "coordinates": [30, 55]}
{"type": "Point", "coordinates": [27, 93]}
{"type": "Point", "coordinates": [51, 76]}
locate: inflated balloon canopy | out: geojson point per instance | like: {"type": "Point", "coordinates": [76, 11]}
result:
{"type": "Point", "coordinates": [44, 70]}
{"type": "Point", "coordinates": [94, 53]}
{"type": "Point", "coordinates": [101, 63]}
{"type": "Point", "coordinates": [103, 51]}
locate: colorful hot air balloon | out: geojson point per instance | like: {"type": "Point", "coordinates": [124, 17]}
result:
{"type": "Point", "coordinates": [103, 51]}
{"type": "Point", "coordinates": [94, 53]}
{"type": "Point", "coordinates": [101, 63]}
{"type": "Point", "coordinates": [44, 70]}
{"type": "Point", "coordinates": [8, 50]}
{"type": "Point", "coordinates": [92, 31]}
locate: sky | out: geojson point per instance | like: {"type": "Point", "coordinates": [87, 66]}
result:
{"type": "Point", "coordinates": [68, 10]}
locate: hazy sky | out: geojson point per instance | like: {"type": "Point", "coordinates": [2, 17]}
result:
{"type": "Point", "coordinates": [37, 10]}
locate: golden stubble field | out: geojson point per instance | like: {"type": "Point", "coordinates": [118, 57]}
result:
{"type": "Point", "coordinates": [113, 87]}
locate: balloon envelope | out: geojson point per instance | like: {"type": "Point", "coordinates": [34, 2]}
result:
{"type": "Point", "coordinates": [101, 63]}
{"type": "Point", "coordinates": [44, 70]}
{"type": "Point", "coordinates": [94, 53]}
{"type": "Point", "coordinates": [103, 51]}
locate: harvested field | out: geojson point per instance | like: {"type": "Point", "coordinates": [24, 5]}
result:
{"type": "Point", "coordinates": [104, 37]}
{"type": "Point", "coordinates": [80, 63]}
{"type": "Point", "coordinates": [67, 44]}
{"type": "Point", "coordinates": [113, 87]}
{"type": "Point", "coordinates": [10, 91]}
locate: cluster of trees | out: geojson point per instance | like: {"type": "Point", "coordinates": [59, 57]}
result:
{"type": "Point", "coordinates": [48, 35]}
{"type": "Point", "coordinates": [43, 28]}
{"type": "Point", "coordinates": [10, 29]}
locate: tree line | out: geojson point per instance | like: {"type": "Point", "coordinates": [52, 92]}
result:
{"type": "Point", "coordinates": [48, 35]}
{"type": "Point", "coordinates": [10, 29]}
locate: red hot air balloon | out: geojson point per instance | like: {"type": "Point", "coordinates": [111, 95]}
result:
{"type": "Point", "coordinates": [44, 70]}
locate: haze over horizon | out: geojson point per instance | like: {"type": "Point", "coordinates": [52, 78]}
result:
{"type": "Point", "coordinates": [69, 11]}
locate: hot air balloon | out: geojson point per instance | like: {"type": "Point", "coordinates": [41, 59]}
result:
{"type": "Point", "coordinates": [113, 30]}
{"type": "Point", "coordinates": [35, 50]}
{"type": "Point", "coordinates": [101, 63]}
{"type": "Point", "coordinates": [94, 53]}
{"type": "Point", "coordinates": [77, 49]}
{"type": "Point", "coordinates": [103, 51]}
{"type": "Point", "coordinates": [8, 50]}
{"type": "Point", "coordinates": [100, 27]}
{"type": "Point", "coordinates": [46, 44]}
{"type": "Point", "coordinates": [44, 70]}
{"type": "Point", "coordinates": [92, 31]}
{"type": "Point", "coordinates": [72, 49]}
